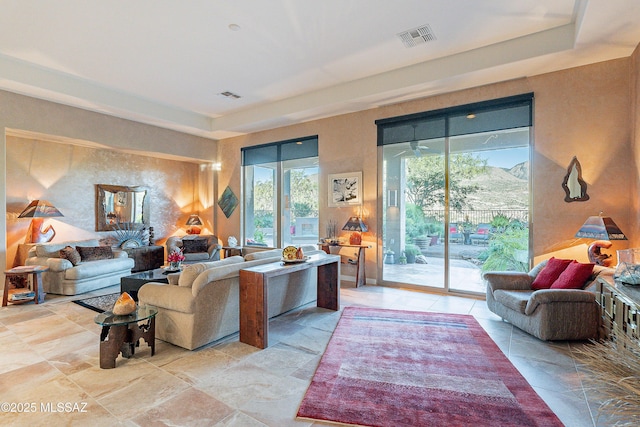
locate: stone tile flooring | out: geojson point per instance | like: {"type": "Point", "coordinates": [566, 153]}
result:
{"type": "Point", "coordinates": [49, 366]}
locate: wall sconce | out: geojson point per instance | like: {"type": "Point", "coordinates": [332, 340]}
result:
{"type": "Point", "coordinates": [392, 198]}
{"type": "Point", "coordinates": [39, 210]}
{"type": "Point", "coordinates": [602, 229]}
{"type": "Point", "coordinates": [194, 222]}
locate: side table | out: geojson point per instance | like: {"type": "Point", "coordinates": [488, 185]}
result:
{"type": "Point", "coordinates": [359, 262]}
{"type": "Point", "coordinates": [228, 251]}
{"type": "Point", "coordinates": [35, 271]}
{"type": "Point", "coordinates": [121, 334]}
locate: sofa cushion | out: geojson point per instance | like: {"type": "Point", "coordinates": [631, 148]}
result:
{"type": "Point", "coordinates": [271, 253]}
{"type": "Point", "coordinates": [515, 300]}
{"type": "Point", "coordinates": [87, 270]}
{"type": "Point", "coordinates": [71, 254]}
{"type": "Point", "coordinates": [575, 276]}
{"type": "Point", "coordinates": [550, 273]}
{"type": "Point", "coordinates": [52, 250]}
{"type": "Point", "coordinates": [192, 246]}
{"type": "Point", "coordinates": [192, 271]}
{"type": "Point", "coordinates": [94, 253]}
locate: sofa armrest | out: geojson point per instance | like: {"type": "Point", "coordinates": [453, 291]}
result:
{"type": "Point", "coordinates": [169, 297]}
{"type": "Point", "coordinates": [213, 250]}
{"type": "Point", "coordinates": [508, 280]}
{"type": "Point", "coordinates": [119, 253]}
{"type": "Point", "coordinates": [54, 264]}
{"type": "Point", "coordinates": [555, 296]}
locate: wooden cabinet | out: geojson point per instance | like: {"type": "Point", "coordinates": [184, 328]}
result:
{"type": "Point", "coordinates": [146, 257]}
{"type": "Point", "coordinates": [620, 307]}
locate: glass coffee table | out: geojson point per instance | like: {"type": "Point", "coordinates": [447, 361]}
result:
{"type": "Point", "coordinates": [121, 334]}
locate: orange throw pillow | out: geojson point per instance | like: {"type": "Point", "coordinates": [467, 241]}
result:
{"type": "Point", "coordinates": [550, 273]}
{"type": "Point", "coordinates": [574, 277]}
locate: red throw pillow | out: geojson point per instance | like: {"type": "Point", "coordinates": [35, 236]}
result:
{"type": "Point", "coordinates": [574, 277]}
{"type": "Point", "coordinates": [550, 273]}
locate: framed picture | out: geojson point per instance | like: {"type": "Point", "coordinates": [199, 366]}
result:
{"type": "Point", "coordinates": [345, 189]}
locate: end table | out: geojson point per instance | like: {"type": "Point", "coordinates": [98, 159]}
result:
{"type": "Point", "coordinates": [35, 271]}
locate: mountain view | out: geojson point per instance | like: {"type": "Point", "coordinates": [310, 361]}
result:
{"type": "Point", "coordinates": [501, 188]}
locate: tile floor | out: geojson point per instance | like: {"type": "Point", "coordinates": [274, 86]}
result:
{"type": "Point", "coordinates": [49, 365]}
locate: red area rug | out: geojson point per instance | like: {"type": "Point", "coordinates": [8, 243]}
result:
{"type": "Point", "coordinates": [404, 368]}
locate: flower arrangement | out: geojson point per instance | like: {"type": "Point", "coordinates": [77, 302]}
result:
{"type": "Point", "coordinates": [175, 256]}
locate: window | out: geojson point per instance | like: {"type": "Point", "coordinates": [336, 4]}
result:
{"type": "Point", "coordinates": [458, 190]}
{"type": "Point", "coordinates": [281, 193]}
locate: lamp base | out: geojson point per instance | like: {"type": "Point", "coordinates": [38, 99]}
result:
{"type": "Point", "coordinates": [194, 230]}
{"type": "Point", "coordinates": [597, 257]}
{"type": "Point", "coordinates": [36, 234]}
{"type": "Point", "coordinates": [355, 238]}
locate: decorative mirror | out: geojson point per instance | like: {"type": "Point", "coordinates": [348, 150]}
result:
{"type": "Point", "coordinates": [573, 184]}
{"type": "Point", "coordinates": [118, 204]}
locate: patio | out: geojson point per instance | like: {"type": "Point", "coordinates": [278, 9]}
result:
{"type": "Point", "coordinates": [465, 270]}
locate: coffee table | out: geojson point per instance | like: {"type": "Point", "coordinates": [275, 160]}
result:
{"type": "Point", "coordinates": [132, 284]}
{"type": "Point", "coordinates": [121, 334]}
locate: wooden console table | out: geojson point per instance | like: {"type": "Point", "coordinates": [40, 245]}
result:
{"type": "Point", "coordinates": [254, 284]}
{"type": "Point", "coordinates": [361, 276]}
{"type": "Point", "coordinates": [620, 307]}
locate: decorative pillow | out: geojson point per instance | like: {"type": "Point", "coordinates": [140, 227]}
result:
{"type": "Point", "coordinates": [550, 273]}
{"type": "Point", "coordinates": [70, 253]}
{"type": "Point", "coordinates": [95, 253]}
{"type": "Point", "coordinates": [574, 276]}
{"type": "Point", "coordinates": [192, 246]}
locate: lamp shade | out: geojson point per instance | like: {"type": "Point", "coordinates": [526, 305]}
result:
{"type": "Point", "coordinates": [40, 209]}
{"type": "Point", "coordinates": [600, 228]}
{"type": "Point", "coordinates": [355, 224]}
{"type": "Point", "coordinates": [194, 220]}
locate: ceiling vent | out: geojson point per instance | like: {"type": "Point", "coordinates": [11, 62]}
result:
{"type": "Point", "coordinates": [230, 95]}
{"type": "Point", "coordinates": [416, 36]}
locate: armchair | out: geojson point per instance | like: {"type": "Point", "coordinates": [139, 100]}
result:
{"type": "Point", "coordinates": [548, 314]}
{"type": "Point", "coordinates": [195, 248]}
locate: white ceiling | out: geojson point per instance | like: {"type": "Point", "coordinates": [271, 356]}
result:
{"type": "Point", "coordinates": [166, 62]}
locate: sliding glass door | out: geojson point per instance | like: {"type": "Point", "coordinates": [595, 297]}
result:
{"type": "Point", "coordinates": [455, 196]}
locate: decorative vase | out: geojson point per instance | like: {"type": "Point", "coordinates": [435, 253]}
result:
{"type": "Point", "coordinates": [175, 265]}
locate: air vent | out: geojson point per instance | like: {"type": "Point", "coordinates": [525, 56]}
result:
{"type": "Point", "coordinates": [230, 95]}
{"type": "Point", "coordinates": [416, 36]}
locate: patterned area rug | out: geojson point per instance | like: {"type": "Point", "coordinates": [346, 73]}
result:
{"type": "Point", "coordinates": [100, 304]}
{"type": "Point", "coordinates": [403, 368]}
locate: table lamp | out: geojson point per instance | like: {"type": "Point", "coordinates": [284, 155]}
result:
{"type": "Point", "coordinates": [601, 229]}
{"type": "Point", "coordinates": [194, 222]}
{"type": "Point", "coordinates": [39, 210]}
{"type": "Point", "coordinates": [356, 226]}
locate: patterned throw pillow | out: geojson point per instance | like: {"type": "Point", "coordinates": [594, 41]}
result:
{"type": "Point", "coordinates": [95, 252]}
{"type": "Point", "coordinates": [70, 253]}
{"type": "Point", "coordinates": [192, 246]}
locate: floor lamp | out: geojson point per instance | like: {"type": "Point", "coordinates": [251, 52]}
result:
{"type": "Point", "coordinates": [38, 210]}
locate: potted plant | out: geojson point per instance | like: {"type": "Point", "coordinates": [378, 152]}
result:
{"type": "Point", "coordinates": [410, 251]}
{"type": "Point", "coordinates": [402, 259]}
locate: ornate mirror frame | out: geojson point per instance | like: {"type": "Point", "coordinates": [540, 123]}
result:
{"type": "Point", "coordinates": [574, 186]}
{"type": "Point", "coordinates": [120, 204]}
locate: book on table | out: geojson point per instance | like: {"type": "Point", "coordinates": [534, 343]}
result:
{"type": "Point", "coordinates": [19, 296]}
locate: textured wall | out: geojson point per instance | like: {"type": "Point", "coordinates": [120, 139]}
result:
{"type": "Point", "coordinates": [66, 175]}
{"type": "Point", "coordinates": [583, 112]}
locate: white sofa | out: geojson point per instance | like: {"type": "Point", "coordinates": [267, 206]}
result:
{"type": "Point", "coordinates": [201, 304]}
{"type": "Point", "coordinates": [64, 278]}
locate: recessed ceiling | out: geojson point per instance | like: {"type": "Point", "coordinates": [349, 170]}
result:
{"type": "Point", "coordinates": [167, 63]}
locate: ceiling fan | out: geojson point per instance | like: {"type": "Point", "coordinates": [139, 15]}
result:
{"type": "Point", "coordinates": [413, 145]}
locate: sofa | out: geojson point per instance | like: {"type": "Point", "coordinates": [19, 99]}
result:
{"type": "Point", "coordinates": [195, 247]}
{"type": "Point", "coordinates": [201, 304]}
{"type": "Point", "coordinates": [548, 314]}
{"type": "Point", "coordinates": [97, 267]}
